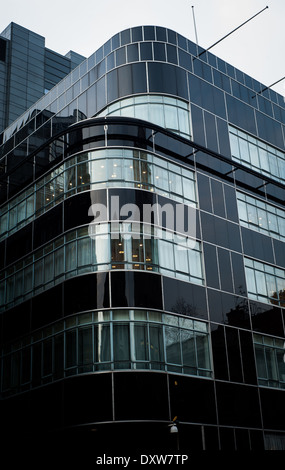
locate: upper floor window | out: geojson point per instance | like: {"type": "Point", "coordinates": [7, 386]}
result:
{"type": "Point", "coordinates": [170, 113]}
{"type": "Point", "coordinates": [265, 283]}
{"type": "Point", "coordinates": [257, 155]}
{"type": "Point", "coordinates": [263, 217]}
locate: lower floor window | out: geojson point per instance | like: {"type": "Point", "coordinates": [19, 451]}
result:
{"type": "Point", "coordinates": [270, 361]}
{"type": "Point", "coordinates": [107, 340]}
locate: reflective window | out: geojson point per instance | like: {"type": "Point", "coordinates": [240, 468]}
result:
{"type": "Point", "coordinates": [94, 170]}
{"type": "Point", "coordinates": [107, 340]}
{"type": "Point", "coordinates": [265, 283]}
{"type": "Point", "coordinates": [167, 112]}
{"type": "Point", "coordinates": [270, 360]}
{"type": "Point", "coordinates": [257, 155]}
{"type": "Point", "coordinates": [263, 217]}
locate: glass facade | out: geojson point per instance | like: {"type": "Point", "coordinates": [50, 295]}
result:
{"type": "Point", "coordinates": [111, 320]}
{"type": "Point", "coordinates": [165, 111]}
{"type": "Point", "coordinates": [107, 340]}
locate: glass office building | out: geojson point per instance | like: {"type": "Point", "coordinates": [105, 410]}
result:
{"type": "Point", "coordinates": [28, 69]}
{"type": "Point", "coordinates": [142, 252]}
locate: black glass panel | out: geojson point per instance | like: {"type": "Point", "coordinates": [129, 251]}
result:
{"type": "Point", "coordinates": [136, 289]}
{"type": "Point", "coordinates": [241, 114]}
{"type": "Point", "coordinates": [257, 245]}
{"type": "Point", "coordinates": [225, 270]}
{"type": "Point", "coordinates": [86, 292]}
{"type": "Point", "coordinates": [205, 199]}
{"type": "Point", "coordinates": [47, 307]}
{"type": "Point", "coordinates": [146, 50]}
{"type": "Point", "coordinates": [231, 203]}
{"type": "Point", "coordinates": [87, 399]}
{"type": "Point", "coordinates": [198, 125]}
{"type": "Point", "coordinates": [184, 298]}
{"type": "Point", "coordinates": [132, 53]}
{"type": "Point", "coordinates": [19, 244]}
{"type": "Point", "coordinates": [16, 322]}
{"type": "Point", "coordinates": [248, 359]}
{"type": "Point", "coordinates": [279, 250]}
{"type": "Point", "coordinates": [48, 226]}
{"type": "Point", "coordinates": [159, 51]}
{"type": "Point", "coordinates": [119, 198]}
{"type": "Point", "coordinates": [140, 396]}
{"type": "Point", "coordinates": [218, 198]}
{"type": "Point", "coordinates": [187, 391]}
{"type": "Point", "coordinates": [238, 405]}
{"type": "Point", "coordinates": [242, 439]}
{"type": "Point", "coordinates": [238, 274]}
{"type": "Point", "coordinates": [266, 318]}
{"type": "Point", "coordinates": [211, 266]}
{"type": "Point", "coordinates": [234, 358]}
{"type": "Point", "coordinates": [76, 208]}
{"type": "Point", "coordinates": [273, 410]}
{"type": "Point", "coordinates": [228, 309]}
{"type": "Point", "coordinates": [219, 352]}
{"type": "Point", "coordinates": [227, 439]}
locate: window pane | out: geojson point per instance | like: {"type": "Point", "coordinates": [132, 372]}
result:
{"type": "Point", "coordinates": [172, 344]}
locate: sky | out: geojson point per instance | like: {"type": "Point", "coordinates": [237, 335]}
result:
{"type": "Point", "coordinates": [84, 25]}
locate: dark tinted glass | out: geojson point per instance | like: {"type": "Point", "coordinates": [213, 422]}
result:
{"type": "Point", "coordinates": [19, 244]}
{"type": "Point", "coordinates": [184, 392]}
{"type": "Point", "coordinates": [159, 51]}
{"type": "Point", "coordinates": [234, 357]}
{"type": "Point", "coordinates": [184, 298]}
{"type": "Point", "coordinates": [137, 34]}
{"type": "Point", "coordinates": [132, 53]}
{"type": "Point", "coordinates": [266, 319]}
{"type": "Point", "coordinates": [149, 33]}
{"type": "Point", "coordinates": [140, 396]}
{"type": "Point", "coordinates": [225, 270]}
{"type": "Point", "coordinates": [211, 266]}
{"type": "Point", "coordinates": [79, 404]}
{"type": "Point", "coordinates": [218, 198]}
{"type": "Point", "coordinates": [146, 50]}
{"type": "Point", "coordinates": [238, 405]}
{"type": "Point", "coordinates": [49, 304]}
{"type": "Point", "coordinates": [248, 359]}
{"type": "Point", "coordinates": [205, 198]}
{"type": "Point", "coordinates": [273, 411]}
{"type": "Point", "coordinates": [86, 292]}
{"type": "Point", "coordinates": [76, 209]}
{"type": "Point", "coordinates": [257, 245]}
{"type": "Point", "coordinates": [219, 352]}
{"type": "Point", "coordinates": [136, 289]}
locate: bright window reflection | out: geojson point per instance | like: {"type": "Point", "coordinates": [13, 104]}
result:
{"type": "Point", "coordinates": [257, 155]}
{"type": "Point", "coordinates": [107, 246]}
{"type": "Point", "coordinates": [94, 170]}
{"type": "Point", "coordinates": [261, 216]}
{"type": "Point", "coordinates": [165, 111]}
{"type": "Point", "coordinates": [107, 340]}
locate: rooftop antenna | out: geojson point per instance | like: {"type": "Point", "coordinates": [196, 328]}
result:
{"type": "Point", "coordinates": [195, 25]}
{"type": "Point", "coordinates": [266, 88]}
{"type": "Point", "coordinates": [232, 32]}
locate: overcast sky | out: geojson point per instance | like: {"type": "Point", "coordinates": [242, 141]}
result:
{"type": "Point", "coordinates": [257, 48]}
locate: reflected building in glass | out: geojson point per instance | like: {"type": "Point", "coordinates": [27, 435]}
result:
{"type": "Point", "coordinates": [114, 323]}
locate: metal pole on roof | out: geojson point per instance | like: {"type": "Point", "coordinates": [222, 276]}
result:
{"type": "Point", "coordinates": [195, 25]}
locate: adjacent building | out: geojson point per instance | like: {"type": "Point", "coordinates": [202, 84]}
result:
{"type": "Point", "coordinates": [28, 70]}
{"type": "Point", "coordinates": [142, 253]}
